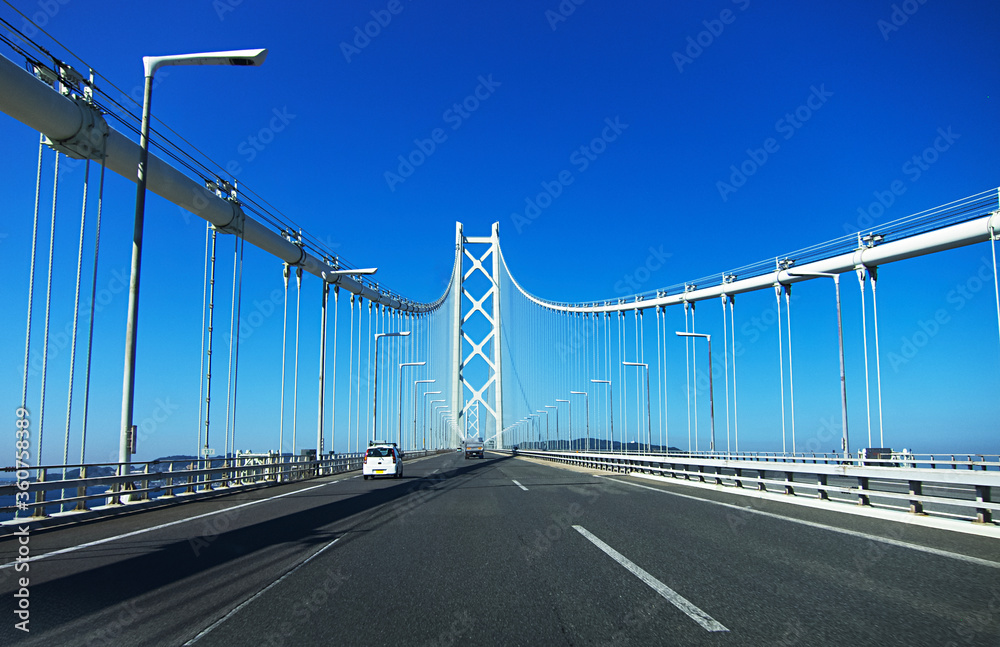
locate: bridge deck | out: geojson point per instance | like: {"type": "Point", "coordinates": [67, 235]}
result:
{"type": "Point", "coordinates": [486, 552]}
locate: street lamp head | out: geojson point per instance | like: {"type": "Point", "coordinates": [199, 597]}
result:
{"type": "Point", "coordinates": [815, 274]}
{"type": "Point", "coordinates": [636, 364]}
{"type": "Point", "coordinates": [693, 334]}
{"type": "Point", "coordinates": [601, 381]}
{"type": "Point", "coordinates": [332, 275]}
{"type": "Point", "coordinates": [578, 393]}
{"type": "Point", "coordinates": [240, 57]}
{"type": "Point", "coordinates": [391, 334]}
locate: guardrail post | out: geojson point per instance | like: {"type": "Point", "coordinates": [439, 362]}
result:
{"type": "Point", "coordinates": [81, 491]}
{"type": "Point", "coordinates": [761, 485]}
{"type": "Point", "coordinates": [739, 475]}
{"type": "Point", "coordinates": [789, 479]}
{"type": "Point", "coordinates": [916, 490]}
{"type": "Point", "coordinates": [39, 511]}
{"type": "Point", "coordinates": [984, 514]}
{"type": "Point", "coordinates": [863, 498]}
{"type": "Point", "coordinates": [168, 482]}
{"type": "Point", "coordinates": [144, 494]}
{"type": "Point", "coordinates": [821, 492]}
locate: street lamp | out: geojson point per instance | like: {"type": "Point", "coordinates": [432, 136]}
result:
{"type": "Point", "coordinates": [569, 445]}
{"type": "Point", "coordinates": [532, 416]}
{"type": "Point", "coordinates": [546, 427]}
{"type": "Point", "coordinates": [611, 408]}
{"type": "Point", "coordinates": [251, 57]}
{"type": "Point", "coordinates": [430, 410]}
{"type": "Point", "coordinates": [415, 383]}
{"type": "Point", "coordinates": [556, 407]}
{"type": "Point", "coordinates": [711, 390]}
{"type": "Point", "coordinates": [423, 419]}
{"type": "Point", "coordinates": [443, 409]}
{"type": "Point", "coordinates": [586, 399]}
{"type": "Point", "coordinates": [399, 405]}
{"type": "Point", "coordinates": [649, 428]}
{"type": "Point", "coordinates": [840, 338]}
{"type": "Point", "coordinates": [375, 379]}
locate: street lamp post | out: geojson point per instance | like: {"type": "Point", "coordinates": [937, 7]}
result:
{"type": "Point", "coordinates": [423, 418]}
{"type": "Point", "coordinates": [424, 440]}
{"type": "Point", "coordinates": [248, 57]}
{"type": "Point", "coordinates": [556, 407]}
{"type": "Point", "coordinates": [569, 444]}
{"type": "Point", "coordinates": [546, 427]}
{"type": "Point", "coordinates": [399, 405]}
{"type": "Point", "coordinates": [845, 441]}
{"type": "Point", "coordinates": [586, 401]}
{"type": "Point", "coordinates": [711, 390]}
{"type": "Point", "coordinates": [649, 428]}
{"type": "Point", "coordinates": [378, 335]}
{"type": "Point", "coordinates": [443, 409]}
{"type": "Point", "coordinates": [611, 408]}
{"type": "Point", "coordinates": [430, 411]}
{"type": "Point", "coordinates": [532, 433]}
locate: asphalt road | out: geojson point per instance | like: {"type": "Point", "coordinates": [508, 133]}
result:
{"type": "Point", "coordinates": [499, 551]}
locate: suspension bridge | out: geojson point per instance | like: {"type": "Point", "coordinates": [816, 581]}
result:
{"type": "Point", "coordinates": [609, 421]}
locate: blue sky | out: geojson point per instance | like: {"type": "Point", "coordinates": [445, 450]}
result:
{"type": "Point", "coordinates": [628, 119]}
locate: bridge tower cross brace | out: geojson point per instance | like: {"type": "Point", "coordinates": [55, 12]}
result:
{"type": "Point", "coordinates": [486, 345]}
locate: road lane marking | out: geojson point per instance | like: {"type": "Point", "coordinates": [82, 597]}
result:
{"type": "Point", "coordinates": [98, 542]}
{"type": "Point", "coordinates": [673, 597]}
{"type": "Point", "coordinates": [520, 486]}
{"type": "Point", "coordinates": [822, 526]}
{"type": "Point", "coordinates": [436, 471]}
{"type": "Point", "coordinates": [259, 593]}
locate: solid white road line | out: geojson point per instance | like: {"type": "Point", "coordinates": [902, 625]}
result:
{"type": "Point", "coordinates": [259, 593]}
{"type": "Point", "coordinates": [673, 597]}
{"type": "Point", "coordinates": [98, 542]}
{"type": "Point", "coordinates": [520, 486]}
{"type": "Point", "coordinates": [812, 524]}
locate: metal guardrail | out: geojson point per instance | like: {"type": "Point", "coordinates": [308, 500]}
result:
{"type": "Point", "coordinates": [920, 484]}
{"type": "Point", "coordinates": [173, 481]}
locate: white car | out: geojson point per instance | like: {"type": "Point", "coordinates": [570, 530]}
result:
{"type": "Point", "coordinates": [383, 460]}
